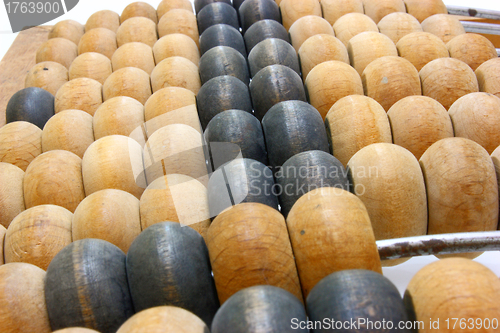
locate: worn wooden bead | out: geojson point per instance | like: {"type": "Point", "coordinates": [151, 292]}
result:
{"type": "Point", "coordinates": [308, 26]}
{"type": "Point", "coordinates": [137, 29]}
{"type": "Point", "coordinates": [176, 72]}
{"type": "Point", "coordinates": [420, 48]}
{"type": "Point", "coordinates": [36, 235]}
{"type": "Point", "coordinates": [20, 143]}
{"type": "Point", "coordinates": [173, 45]}
{"type": "Point", "coordinates": [81, 94]}
{"type": "Point", "coordinates": [179, 21]}
{"type": "Point", "coordinates": [118, 115]}
{"type": "Point", "coordinates": [351, 25]}
{"type": "Point", "coordinates": [134, 54]}
{"type": "Point", "coordinates": [91, 65]}
{"type": "Point", "coordinates": [330, 81]}
{"type": "Point", "coordinates": [11, 193]}
{"type": "Point", "coordinates": [199, 4]}
{"type": "Point", "coordinates": [444, 26]}
{"type": "Point", "coordinates": [103, 19]}
{"type": "Point", "coordinates": [253, 11]}
{"type": "Point", "coordinates": [272, 51]}
{"type": "Point", "coordinates": [217, 13]}
{"type": "Point", "coordinates": [60, 50]}
{"type": "Point", "coordinates": [68, 29]}
{"type": "Point", "coordinates": [128, 81]}
{"type": "Point", "coordinates": [397, 25]}
{"type": "Point", "coordinates": [292, 10]}
{"type": "Point", "coordinates": [34, 105]}
{"type": "Point", "coordinates": [69, 130]}
{"type": "Point", "coordinates": [447, 79]}
{"type": "Point", "coordinates": [223, 60]}
{"type": "Point", "coordinates": [354, 122]}
{"type": "Point", "coordinates": [488, 77]}
{"type": "Point", "coordinates": [473, 49]}
{"type": "Point", "coordinates": [139, 9]}
{"type": "Point", "coordinates": [222, 35]}
{"type": "Point", "coordinates": [262, 30]}
{"type": "Point", "coordinates": [422, 9]}
{"type": "Point", "coordinates": [417, 122]}
{"type": "Point", "coordinates": [47, 75]}
{"type": "Point", "coordinates": [86, 286]}
{"type": "Point", "coordinates": [367, 46]}
{"type": "Point", "coordinates": [99, 40]}
{"type": "Point", "coordinates": [276, 309]}
{"type": "Point", "coordinates": [167, 5]}
{"type": "Point", "coordinates": [379, 9]}
{"type": "Point", "coordinates": [335, 9]}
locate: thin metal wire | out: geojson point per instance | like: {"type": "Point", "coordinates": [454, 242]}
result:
{"type": "Point", "coordinates": [481, 28]}
{"type": "Point", "coordinates": [474, 12]}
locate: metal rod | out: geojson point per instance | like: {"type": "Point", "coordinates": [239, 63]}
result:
{"type": "Point", "coordinates": [481, 28]}
{"type": "Point", "coordinates": [439, 244]}
{"type": "Point", "coordinates": [498, 52]}
{"type": "Point", "coordinates": [474, 12]}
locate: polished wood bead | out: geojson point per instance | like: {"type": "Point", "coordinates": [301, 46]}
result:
{"type": "Point", "coordinates": [128, 81]}
{"type": "Point", "coordinates": [335, 9]}
{"type": "Point", "coordinates": [34, 105]}
{"type": "Point", "coordinates": [262, 30]}
{"type": "Point", "coordinates": [176, 72]}
{"type": "Point", "coordinates": [272, 51]}
{"type": "Point", "coordinates": [292, 10]}
{"type": "Point", "coordinates": [397, 25]}
{"type": "Point", "coordinates": [306, 27]}
{"type": "Point", "coordinates": [199, 4]}
{"type": "Point", "coordinates": [420, 48]}
{"type": "Point", "coordinates": [380, 8]}
{"type": "Point", "coordinates": [20, 143]}
{"type": "Point", "coordinates": [351, 25]}
{"type": "Point", "coordinates": [103, 19]}
{"type": "Point", "coordinates": [60, 50]}
{"type": "Point", "coordinates": [222, 35]}
{"type": "Point", "coordinates": [488, 77]}
{"type": "Point", "coordinates": [252, 11]}
{"type": "Point", "coordinates": [167, 5]}
{"type": "Point", "coordinates": [99, 40]}
{"type": "Point", "coordinates": [444, 26]}
{"type": "Point", "coordinates": [223, 60]}
{"type": "Point", "coordinates": [137, 29]}
{"type": "Point", "coordinates": [139, 9]}
{"type": "Point", "coordinates": [179, 21]}
{"type": "Point", "coordinates": [47, 75]}
{"type": "Point", "coordinates": [173, 45]}
{"type": "Point", "coordinates": [68, 29]}
{"type": "Point", "coordinates": [11, 194]}
{"type": "Point", "coordinates": [217, 13]}
{"type": "Point", "coordinates": [134, 54]}
{"type": "Point", "coordinates": [81, 94]}
{"type": "Point", "coordinates": [422, 9]}
{"type": "Point", "coordinates": [367, 46]}
{"type": "Point", "coordinates": [91, 65]}
{"type": "Point", "coordinates": [473, 49]}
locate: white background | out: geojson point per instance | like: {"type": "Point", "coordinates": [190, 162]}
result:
{"type": "Point", "coordinates": [400, 274]}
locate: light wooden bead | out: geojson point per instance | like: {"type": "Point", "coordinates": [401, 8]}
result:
{"type": "Point", "coordinates": [176, 72]}
{"type": "Point", "coordinates": [129, 81]}
{"type": "Point", "coordinates": [422, 9]}
{"type": "Point", "coordinates": [351, 25]}
{"type": "Point", "coordinates": [417, 122]}
{"type": "Point", "coordinates": [110, 215]}
{"type": "Point", "coordinates": [47, 75]}
{"type": "Point", "coordinates": [420, 48]}
{"type": "Point", "coordinates": [60, 50]}
{"type": "Point", "coordinates": [397, 25]}
{"type": "Point", "coordinates": [173, 45]}
{"type": "Point", "coordinates": [100, 40]}
{"type": "Point", "coordinates": [446, 80]}
{"type": "Point", "coordinates": [22, 299]}
{"type": "Point", "coordinates": [11, 193]}
{"type": "Point", "coordinates": [367, 46]}
{"type": "Point", "coordinates": [179, 21]}
{"type": "Point", "coordinates": [134, 54]}
{"type": "Point", "coordinates": [354, 122]}
{"type": "Point", "coordinates": [69, 130]}
{"type": "Point", "coordinates": [380, 8]}
{"type": "Point", "coordinates": [292, 10]}
{"type": "Point", "coordinates": [488, 77]}
{"type": "Point", "coordinates": [137, 29]}
{"type": "Point", "coordinates": [103, 19]}
{"type": "Point", "coordinates": [91, 65]}
{"type": "Point", "coordinates": [330, 81]}
{"type": "Point", "coordinates": [249, 245]}
{"type": "Point", "coordinates": [167, 5]}
{"type": "Point", "coordinates": [68, 29]}
{"type": "Point", "coordinates": [335, 9]}
{"type": "Point", "coordinates": [322, 224]}
{"type": "Point", "coordinates": [318, 49]}
{"type": "Point", "coordinates": [139, 9]}
{"type": "Point", "coordinates": [444, 26]}
{"type": "Point", "coordinates": [114, 162]}
{"type": "Point", "coordinates": [306, 27]}
{"type": "Point", "coordinates": [20, 143]}
{"type": "Point", "coordinates": [389, 79]}
{"type": "Point", "coordinates": [75, 330]}
{"type": "Point", "coordinates": [36, 235]}
{"type": "Point", "coordinates": [473, 49]}
{"type": "Point", "coordinates": [2, 242]}
{"type": "Point", "coordinates": [81, 94]}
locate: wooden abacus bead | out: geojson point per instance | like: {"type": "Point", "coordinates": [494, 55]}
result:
{"type": "Point", "coordinates": [330, 81]}
{"type": "Point", "coordinates": [292, 10]}
{"type": "Point", "coordinates": [262, 30]}
{"type": "Point", "coordinates": [137, 29]}
{"type": "Point", "coordinates": [139, 9]}
{"type": "Point", "coordinates": [20, 143]}
{"type": "Point", "coordinates": [176, 45]}
{"type": "Point", "coordinates": [91, 65]}
{"type": "Point", "coordinates": [60, 50]}
{"type": "Point", "coordinates": [11, 193]}
{"type": "Point", "coordinates": [69, 130]}
{"type": "Point", "coordinates": [390, 79]}
{"type": "Point", "coordinates": [354, 122]}
{"type": "Point", "coordinates": [318, 49]}
{"type": "Point", "coordinates": [420, 48]}
{"type": "Point", "coordinates": [217, 13]}
{"type": "Point", "coordinates": [167, 5]}
{"type": "Point", "coordinates": [99, 40]}
{"type": "Point", "coordinates": [397, 25]}
{"type": "Point", "coordinates": [3, 231]}
{"type": "Point", "coordinates": [68, 29]}
{"type": "Point", "coordinates": [220, 94]}
{"type": "Point", "coordinates": [81, 94]}
{"type": "Point", "coordinates": [199, 4]}
{"type": "Point", "coordinates": [447, 79]}
{"type": "Point", "coordinates": [223, 60]}
{"type": "Point", "coordinates": [103, 19]}
{"type": "Point", "coordinates": [367, 46]}
{"type": "Point", "coordinates": [417, 122]}
{"type": "Point", "coordinates": [176, 72]}
{"type": "Point", "coordinates": [179, 21]}
{"type": "Point", "coordinates": [95, 293]}
{"type": "Point", "coordinates": [335, 9]}
{"type": "Point", "coordinates": [129, 81]}
{"type": "Point", "coordinates": [22, 299]}
{"type": "Point", "coordinates": [75, 330]}
{"type": "Point", "coordinates": [110, 215]}
{"type": "Point", "coordinates": [272, 51]}
{"type": "Point", "coordinates": [134, 54]}
{"type": "Point", "coordinates": [306, 27]}
{"type": "Point", "coordinates": [34, 105]}
{"type": "Point", "coordinates": [222, 35]}
{"type": "Point", "coordinates": [488, 77]}
{"type": "Point", "coordinates": [422, 9]}
{"type": "Point", "coordinates": [473, 49]}
{"type": "Point", "coordinates": [351, 25]}
{"type": "Point", "coordinates": [444, 26]}
{"type": "Point", "coordinates": [379, 9]}
{"type": "Point", "coordinates": [47, 75]}
{"type": "Point", "coordinates": [248, 246]}
{"type": "Point", "coordinates": [37, 235]}
{"type": "Point", "coordinates": [274, 84]}
{"type": "Point", "coordinates": [253, 11]}
{"type": "Point", "coordinates": [276, 309]}
{"type": "Point", "coordinates": [119, 115]}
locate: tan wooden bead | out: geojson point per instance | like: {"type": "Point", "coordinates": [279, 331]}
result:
{"type": "Point", "coordinates": [60, 50]}
{"type": "Point", "coordinates": [367, 46]}
{"type": "Point", "coordinates": [488, 77]}
{"type": "Point", "coordinates": [75, 330]}
{"type": "Point", "coordinates": [69, 130]}
{"type": "Point", "coordinates": [114, 162]}
{"type": "Point", "coordinates": [11, 193]}
{"type": "Point", "coordinates": [37, 235]}
{"type": "Point", "coordinates": [111, 215]}
{"type": "Point", "coordinates": [173, 45]}
{"type": "Point", "coordinates": [100, 40]}
{"type": "Point", "coordinates": [446, 80]}
{"type": "Point", "coordinates": [249, 245]}
{"type": "Point", "coordinates": [397, 25]}
{"type": "Point", "coordinates": [444, 26]}
{"type": "Point", "coordinates": [137, 29]}
{"type": "Point", "coordinates": [139, 9]}
{"type": "Point", "coordinates": [330, 81]}
{"type": "Point", "coordinates": [47, 75]}
{"type": "Point", "coordinates": [308, 26]}
{"type": "Point", "coordinates": [390, 79]}
{"type": "Point", "coordinates": [81, 94]}
{"type": "Point", "coordinates": [134, 54]}
{"type": "Point", "coordinates": [420, 48]}
{"type": "Point", "coordinates": [380, 8]}
{"type": "Point", "coordinates": [422, 9]}
{"type": "Point", "coordinates": [54, 178]}
{"type": "Point", "coordinates": [335, 9]}
{"type": "Point", "coordinates": [351, 25]}
{"type": "Point", "coordinates": [129, 81]}
{"type": "Point", "coordinates": [167, 5]}
{"type": "Point", "coordinates": [3, 231]}
{"type": "Point", "coordinates": [103, 19]}
{"type": "Point", "coordinates": [330, 231]}
{"type": "Point", "coordinates": [473, 49]}
{"type": "Point", "coordinates": [179, 21]}
{"type": "Point", "coordinates": [354, 122]}
{"type": "Point", "coordinates": [20, 143]}
{"type": "Point", "coordinates": [68, 29]}
{"type": "Point", "coordinates": [176, 72]}
{"type": "Point", "coordinates": [91, 65]}
{"type": "Point", "coordinates": [292, 10]}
